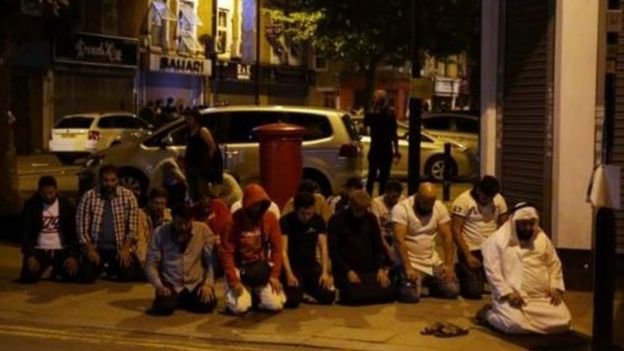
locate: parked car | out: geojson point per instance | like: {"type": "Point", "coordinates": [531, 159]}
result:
{"type": "Point", "coordinates": [458, 127]}
{"type": "Point", "coordinates": [331, 147]}
{"type": "Point", "coordinates": [79, 135]}
{"type": "Point", "coordinates": [464, 160]}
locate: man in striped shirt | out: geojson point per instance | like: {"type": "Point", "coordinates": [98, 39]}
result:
{"type": "Point", "coordinates": [106, 224]}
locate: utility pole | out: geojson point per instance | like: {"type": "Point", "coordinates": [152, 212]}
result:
{"type": "Point", "coordinates": [258, 36]}
{"type": "Point", "coordinates": [415, 106]}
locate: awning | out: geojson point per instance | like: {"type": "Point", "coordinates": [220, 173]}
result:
{"type": "Point", "coordinates": [162, 11]}
{"type": "Point", "coordinates": [189, 15]}
{"type": "Point", "coordinates": [190, 42]}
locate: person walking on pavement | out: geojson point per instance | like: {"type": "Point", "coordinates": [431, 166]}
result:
{"type": "Point", "coordinates": [417, 220]}
{"type": "Point", "coordinates": [180, 265]}
{"type": "Point", "coordinates": [251, 254]}
{"type": "Point", "coordinates": [358, 256]}
{"type": "Point", "coordinates": [303, 230]}
{"type": "Point", "coordinates": [476, 214]}
{"type": "Point", "coordinates": [384, 146]}
{"type": "Point", "coordinates": [106, 223]}
{"type": "Point", "coordinates": [202, 159]}
{"type": "Point", "coordinates": [49, 235]}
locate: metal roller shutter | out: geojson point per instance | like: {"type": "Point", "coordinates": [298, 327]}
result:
{"type": "Point", "coordinates": [526, 155]}
{"type": "Point", "coordinates": [618, 145]}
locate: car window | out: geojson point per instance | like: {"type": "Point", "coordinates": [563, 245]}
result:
{"type": "Point", "coordinates": [179, 135]}
{"type": "Point", "coordinates": [238, 128]}
{"type": "Point", "coordinates": [317, 126]}
{"type": "Point", "coordinates": [75, 123]}
{"type": "Point", "coordinates": [156, 138]}
{"type": "Point", "coordinates": [426, 139]}
{"type": "Point", "coordinates": [119, 122]}
{"type": "Point", "coordinates": [433, 123]}
{"type": "Point", "coordinates": [355, 127]}
{"type": "Point", "coordinates": [466, 125]}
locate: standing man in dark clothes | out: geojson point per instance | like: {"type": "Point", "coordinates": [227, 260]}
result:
{"type": "Point", "coordinates": [358, 255]}
{"type": "Point", "coordinates": [202, 158]}
{"type": "Point", "coordinates": [303, 230]}
{"type": "Point", "coordinates": [180, 265]}
{"type": "Point", "coordinates": [384, 145]}
{"type": "Point", "coordinates": [49, 234]}
{"type": "Point", "coordinates": [147, 112]}
{"type": "Point", "coordinates": [106, 223]}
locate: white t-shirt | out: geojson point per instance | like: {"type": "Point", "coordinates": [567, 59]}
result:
{"type": "Point", "coordinates": [273, 208]}
{"type": "Point", "coordinates": [480, 221]}
{"type": "Point", "coordinates": [421, 233]}
{"type": "Point", "coordinates": [50, 236]}
{"type": "Point", "coordinates": [383, 214]}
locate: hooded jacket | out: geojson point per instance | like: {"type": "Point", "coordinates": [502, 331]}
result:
{"type": "Point", "coordinates": [247, 240]}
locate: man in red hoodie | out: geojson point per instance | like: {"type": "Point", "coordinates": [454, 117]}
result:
{"type": "Point", "coordinates": [251, 254]}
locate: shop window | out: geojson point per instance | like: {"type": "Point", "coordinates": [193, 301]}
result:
{"type": "Point", "coordinates": [187, 22]}
{"type": "Point", "coordinates": [222, 30]}
{"type": "Point", "coordinates": [159, 16]}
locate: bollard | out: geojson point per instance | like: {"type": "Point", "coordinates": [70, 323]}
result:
{"type": "Point", "coordinates": [281, 161]}
{"type": "Point", "coordinates": [446, 176]}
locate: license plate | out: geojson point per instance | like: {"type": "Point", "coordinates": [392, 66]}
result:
{"type": "Point", "coordinates": [68, 135]}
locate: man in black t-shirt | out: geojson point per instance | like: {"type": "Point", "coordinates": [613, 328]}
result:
{"type": "Point", "coordinates": [302, 231]}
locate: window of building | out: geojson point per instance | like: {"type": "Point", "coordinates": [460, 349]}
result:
{"type": "Point", "coordinates": [222, 30]}
{"type": "Point", "coordinates": [159, 15]}
{"type": "Point", "coordinates": [110, 19]}
{"type": "Point", "coordinates": [320, 63]}
{"type": "Point", "coordinates": [187, 22]}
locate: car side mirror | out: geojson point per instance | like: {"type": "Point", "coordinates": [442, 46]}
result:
{"type": "Point", "coordinates": [166, 141]}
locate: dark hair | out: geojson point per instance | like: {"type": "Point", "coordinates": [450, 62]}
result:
{"type": "Point", "coordinates": [191, 112]}
{"type": "Point", "coordinates": [157, 192]}
{"type": "Point", "coordinates": [108, 169]}
{"type": "Point", "coordinates": [488, 185]}
{"type": "Point", "coordinates": [47, 181]}
{"type": "Point", "coordinates": [308, 186]}
{"type": "Point", "coordinates": [394, 186]}
{"type": "Point", "coordinates": [304, 200]}
{"type": "Point", "coordinates": [354, 182]}
{"type": "Point", "coordinates": [182, 211]}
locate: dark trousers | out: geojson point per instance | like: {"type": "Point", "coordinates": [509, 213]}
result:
{"type": "Point", "coordinates": [378, 169]}
{"type": "Point", "coordinates": [309, 284]}
{"type": "Point", "coordinates": [46, 259]}
{"type": "Point", "coordinates": [189, 300]}
{"type": "Point", "coordinates": [471, 281]}
{"type": "Point", "coordinates": [109, 265]}
{"type": "Point", "coordinates": [368, 292]}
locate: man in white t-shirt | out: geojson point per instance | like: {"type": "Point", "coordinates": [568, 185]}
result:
{"type": "Point", "coordinates": [381, 207]}
{"type": "Point", "coordinates": [476, 215]}
{"type": "Point", "coordinates": [417, 220]}
{"type": "Point", "coordinates": [49, 235]}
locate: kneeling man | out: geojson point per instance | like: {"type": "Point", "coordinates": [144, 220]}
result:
{"type": "Point", "coordinates": [524, 270]}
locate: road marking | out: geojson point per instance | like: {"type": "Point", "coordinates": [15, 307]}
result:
{"type": "Point", "coordinates": [94, 338]}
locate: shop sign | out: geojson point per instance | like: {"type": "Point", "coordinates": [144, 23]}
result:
{"type": "Point", "coordinates": [95, 49]}
{"type": "Point", "coordinates": [184, 65]}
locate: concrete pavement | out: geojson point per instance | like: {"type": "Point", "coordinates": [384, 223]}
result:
{"type": "Point", "coordinates": [108, 308]}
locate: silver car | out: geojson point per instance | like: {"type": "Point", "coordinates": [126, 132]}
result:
{"type": "Point", "coordinates": [332, 151]}
{"type": "Point", "coordinates": [458, 127]}
{"type": "Point", "coordinates": [464, 161]}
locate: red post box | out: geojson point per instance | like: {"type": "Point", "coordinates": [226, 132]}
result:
{"type": "Point", "coordinates": [281, 161]}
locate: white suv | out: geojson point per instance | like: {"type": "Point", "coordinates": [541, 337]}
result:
{"type": "Point", "coordinates": [331, 147]}
{"type": "Point", "coordinates": [79, 135]}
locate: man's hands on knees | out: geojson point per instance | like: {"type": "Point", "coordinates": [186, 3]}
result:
{"type": "Point", "coordinates": [382, 278]}
{"type": "Point", "coordinates": [515, 300]}
{"type": "Point", "coordinates": [92, 255]}
{"type": "Point", "coordinates": [71, 265]}
{"type": "Point", "coordinates": [326, 281]}
{"type": "Point", "coordinates": [472, 261]}
{"type": "Point", "coordinates": [124, 257]}
{"type": "Point", "coordinates": [237, 288]}
{"type": "Point", "coordinates": [163, 291]}
{"type": "Point", "coordinates": [32, 264]}
{"type": "Point", "coordinates": [206, 293]}
{"type": "Point", "coordinates": [353, 277]}
{"type": "Point", "coordinates": [276, 286]}
{"type": "Point", "coordinates": [556, 296]}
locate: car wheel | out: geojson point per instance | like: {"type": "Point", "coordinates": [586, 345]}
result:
{"type": "Point", "coordinates": [66, 159]}
{"type": "Point", "coordinates": [434, 168]}
{"type": "Point", "coordinates": [135, 182]}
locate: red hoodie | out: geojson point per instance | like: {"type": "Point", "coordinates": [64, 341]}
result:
{"type": "Point", "coordinates": [219, 218]}
{"type": "Point", "coordinates": [246, 241]}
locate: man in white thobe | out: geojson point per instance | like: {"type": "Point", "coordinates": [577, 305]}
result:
{"type": "Point", "coordinates": [524, 270]}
